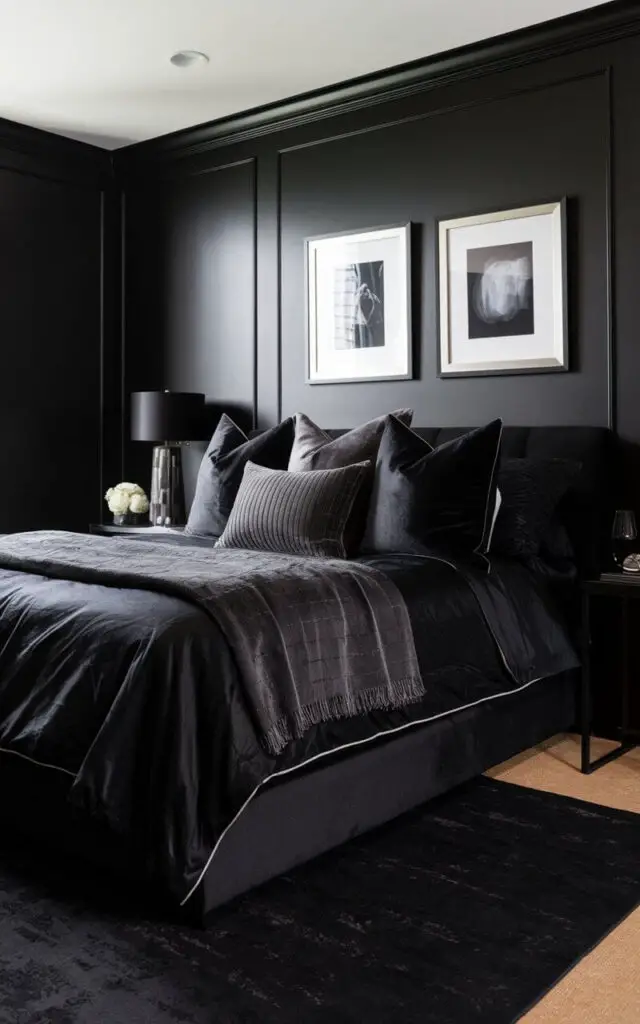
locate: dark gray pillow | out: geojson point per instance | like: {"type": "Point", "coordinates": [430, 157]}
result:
{"type": "Point", "coordinates": [222, 466]}
{"type": "Point", "coordinates": [295, 513]}
{"type": "Point", "coordinates": [313, 448]}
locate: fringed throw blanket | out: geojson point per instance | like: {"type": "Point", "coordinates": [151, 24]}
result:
{"type": "Point", "coordinates": [313, 639]}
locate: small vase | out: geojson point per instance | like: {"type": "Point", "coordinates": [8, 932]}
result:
{"type": "Point", "coordinates": [129, 519]}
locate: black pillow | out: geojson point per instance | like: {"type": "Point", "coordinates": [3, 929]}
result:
{"type": "Point", "coordinates": [530, 491]}
{"type": "Point", "coordinates": [302, 513]}
{"type": "Point", "coordinates": [556, 546]}
{"type": "Point", "coordinates": [222, 466]}
{"type": "Point", "coordinates": [425, 498]}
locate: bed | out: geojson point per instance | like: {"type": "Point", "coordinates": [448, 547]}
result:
{"type": "Point", "coordinates": [163, 779]}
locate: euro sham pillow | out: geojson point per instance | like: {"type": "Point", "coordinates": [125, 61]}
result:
{"type": "Point", "coordinates": [428, 498]}
{"type": "Point", "coordinates": [314, 448]}
{"type": "Point", "coordinates": [531, 490]}
{"type": "Point", "coordinates": [222, 467]}
{"type": "Point", "coordinates": [298, 513]}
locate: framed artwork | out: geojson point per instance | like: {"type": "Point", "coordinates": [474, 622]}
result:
{"type": "Point", "coordinates": [359, 306]}
{"type": "Point", "coordinates": [503, 285]}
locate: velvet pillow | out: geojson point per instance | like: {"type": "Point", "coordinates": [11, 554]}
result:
{"type": "Point", "coordinates": [222, 466]}
{"type": "Point", "coordinates": [531, 490]}
{"type": "Point", "coordinates": [313, 448]}
{"type": "Point", "coordinates": [294, 513]}
{"type": "Point", "coordinates": [425, 498]}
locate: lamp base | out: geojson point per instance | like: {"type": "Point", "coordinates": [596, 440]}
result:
{"type": "Point", "coordinates": [166, 507]}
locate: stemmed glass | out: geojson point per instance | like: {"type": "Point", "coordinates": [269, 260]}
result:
{"type": "Point", "coordinates": [624, 535]}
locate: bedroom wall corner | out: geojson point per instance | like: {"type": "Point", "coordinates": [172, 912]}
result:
{"type": "Point", "coordinates": [54, 194]}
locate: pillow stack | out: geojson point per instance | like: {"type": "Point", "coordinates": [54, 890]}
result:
{"type": "Point", "coordinates": [293, 488]}
{"type": "Point", "coordinates": [378, 489]}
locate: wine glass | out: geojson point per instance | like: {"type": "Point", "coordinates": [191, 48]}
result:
{"type": "Point", "coordinates": [624, 535]}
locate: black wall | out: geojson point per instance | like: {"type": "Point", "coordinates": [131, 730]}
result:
{"type": "Point", "coordinates": [185, 269]}
{"type": "Point", "coordinates": [55, 198]}
{"type": "Point", "coordinates": [216, 217]}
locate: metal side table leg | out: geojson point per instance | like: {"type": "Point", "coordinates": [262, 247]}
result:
{"type": "Point", "coordinates": [585, 690]}
{"type": "Point", "coordinates": [626, 743]}
{"type": "Point", "coordinates": [626, 672]}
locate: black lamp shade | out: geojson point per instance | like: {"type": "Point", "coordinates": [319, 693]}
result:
{"type": "Point", "coordinates": [166, 416]}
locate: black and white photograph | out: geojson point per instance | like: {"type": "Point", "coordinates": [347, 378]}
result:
{"type": "Point", "coordinates": [503, 292]}
{"type": "Point", "coordinates": [500, 290]}
{"type": "Point", "coordinates": [359, 306]}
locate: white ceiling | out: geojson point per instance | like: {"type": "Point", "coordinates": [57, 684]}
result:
{"type": "Point", "coordinates": [98, 70]}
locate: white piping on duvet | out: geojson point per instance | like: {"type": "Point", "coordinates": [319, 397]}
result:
{"type": "Point", "coordinates": [41, 764]}
{"type": "Point", "coordinates": [335, 750]}
{"type": "Point", "coordinates": [367, 739]}
{"type": "Point", "coordinates": [322, 754]}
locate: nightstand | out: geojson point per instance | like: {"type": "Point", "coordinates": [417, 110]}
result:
{"type": "Point", "coordinates": [622, 588]}
{"type": "Point", "coordinates": [109, 530]}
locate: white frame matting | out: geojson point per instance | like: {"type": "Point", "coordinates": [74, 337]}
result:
{"type": "Point", "coordinates": [542, 350]}
{"type": "Point", "coordinates": [326, 362]}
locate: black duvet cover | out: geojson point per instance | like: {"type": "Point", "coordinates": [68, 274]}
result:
{"type": "Point", "coordinates": [135, 694]}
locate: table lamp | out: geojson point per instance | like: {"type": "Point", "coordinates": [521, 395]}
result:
{"type": "Point", "coordinates": [169, 419]}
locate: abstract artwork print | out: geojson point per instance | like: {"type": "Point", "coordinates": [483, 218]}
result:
{"type": "Point", "coordinates": [502, 290]}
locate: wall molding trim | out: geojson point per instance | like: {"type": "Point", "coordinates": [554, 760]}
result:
{"type": "Point", "coordinates": [562, 36]}
{"type": "Point", "coordinates": [27, 150]}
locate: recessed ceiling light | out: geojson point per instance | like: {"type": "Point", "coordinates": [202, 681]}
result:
{"type": "Point", "coordinates": [187, 58]}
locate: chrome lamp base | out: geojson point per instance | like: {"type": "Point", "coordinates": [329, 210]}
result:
{"type": "Point", "coordinates": [166, 506]}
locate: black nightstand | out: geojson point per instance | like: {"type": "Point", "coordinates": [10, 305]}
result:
{"type": "Point", "coordinates": [623, 588]}
{"type": "Point", "coordinates": [109, 530]}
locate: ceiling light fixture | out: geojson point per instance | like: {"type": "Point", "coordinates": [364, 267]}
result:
{"type": "Point", "coordinates": [187, 58]}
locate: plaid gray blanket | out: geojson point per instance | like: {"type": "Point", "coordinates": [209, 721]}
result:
{"type": "Point", "coordinates": [313, 639]}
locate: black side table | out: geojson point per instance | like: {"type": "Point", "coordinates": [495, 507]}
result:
{"type": "Point", "coordinates": [109, 530]}
{"type": "Point", "coordinates": [621, 587]}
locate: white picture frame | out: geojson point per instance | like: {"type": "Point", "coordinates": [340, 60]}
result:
{"type": "Point", "coordinates": [503, 292]}
{"type": "Point", "coordinates": [358, 291]}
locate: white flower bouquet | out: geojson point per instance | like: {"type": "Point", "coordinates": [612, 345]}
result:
{"type": "Point", "coordinates": [126, 501]}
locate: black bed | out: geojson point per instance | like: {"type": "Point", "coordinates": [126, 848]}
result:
{"type": "Point", "coordinates": [337, 785]}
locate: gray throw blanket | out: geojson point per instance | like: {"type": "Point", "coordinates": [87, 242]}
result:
{"type": "Point", "coordinates": [313, 639]}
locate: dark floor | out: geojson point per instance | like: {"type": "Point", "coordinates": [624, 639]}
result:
{"type": "Point", "coordinates": [466, 910]}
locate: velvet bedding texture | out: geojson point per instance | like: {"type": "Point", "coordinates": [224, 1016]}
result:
{"type": "Point", "coordinates": [425, 498]}
{"type": "Point", "coordinates": [313, 448]}
{"type": "Point", "coordinates": [135, 696]}
{"type": "Point", "coordinates": [222, 468]}
{"type": "Point", "coordinates": [530, 490]}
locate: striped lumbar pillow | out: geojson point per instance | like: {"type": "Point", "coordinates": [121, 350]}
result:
{"type": "Point", "coordinates": [299, 513]}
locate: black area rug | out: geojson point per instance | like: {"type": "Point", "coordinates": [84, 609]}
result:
{"type": "Point", "coordinates": [467, 910]}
